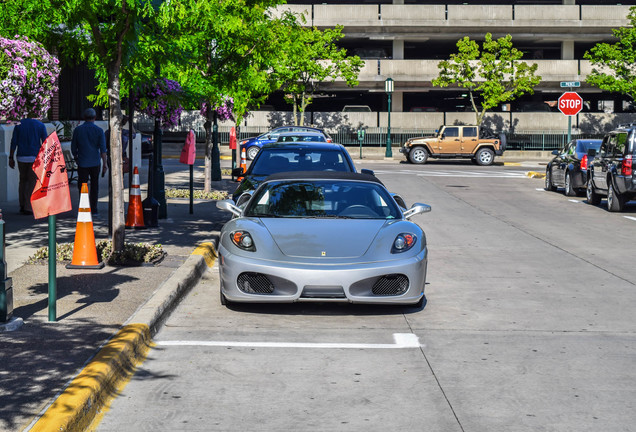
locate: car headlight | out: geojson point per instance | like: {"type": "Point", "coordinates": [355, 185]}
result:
{"type": "Point", "coordinates": [403, 242]}
{"type": "Point", "coordinates": [244, 142]}
{"type": "Point", "coordinates": [243, 240]}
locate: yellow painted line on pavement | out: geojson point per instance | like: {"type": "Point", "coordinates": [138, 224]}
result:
{"type": "Point", "coordinates": [535, 174]}
{"type": "Point", "coordinates": [208, 252]}
{"type": "Point", "coordinates": [101, 380]}
{"type": "Point", "coordinates": [512, 163]}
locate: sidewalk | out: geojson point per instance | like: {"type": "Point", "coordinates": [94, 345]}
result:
{"type": "Point", "coordinates": [41, 357]}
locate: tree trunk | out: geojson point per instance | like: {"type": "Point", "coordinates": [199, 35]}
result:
{"type": "Point", "coordinates": [208, 150]}
{"type": "Point", "coordinates": [302, 110]}
{"type": "Point", "coordinates": [114, 104]}
{"type": "Point", "coordinates": [295, 105]}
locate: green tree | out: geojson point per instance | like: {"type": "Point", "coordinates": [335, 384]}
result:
{"type": "Point", "coordinates": [492, 73]}
{"type": "Point", "coordinates": [311, 57]}
{"type": "Point", "coordinates": [223, 49]}
{"type": "Point", "coordinates": [104, 34]}
{"type": "Point", "coordinates": [613, 64]}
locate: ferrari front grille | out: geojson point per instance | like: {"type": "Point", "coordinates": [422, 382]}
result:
{"type": "Point", "coordinates": [393, 284]}
{"type": "Point", "coordinates": [254, 283]}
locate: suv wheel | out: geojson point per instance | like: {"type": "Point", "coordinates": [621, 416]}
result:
{"type": "Point", "coordinates": [592, 197]}
{"type": "Point", "coordinates": [615, 202]}
{"type": "Point", "coordinates": [252, 152]}
{"type": "Point", "coordinates": [485, 156]}
{"type": "Point", "coordinates": [549, 186]}
{"type": "Point", "coordinates": [418, 155]}
{"type": "Point", "coordinates": [569, 190]}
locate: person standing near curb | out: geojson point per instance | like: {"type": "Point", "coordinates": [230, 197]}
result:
{"type": "Point", "coordinates": [27, 138]}
{"type": "Point", "coordinates": [89, 148]}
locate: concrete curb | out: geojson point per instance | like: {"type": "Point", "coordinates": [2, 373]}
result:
{"type": "Point", "coordinates": [113, 365]}
{"type": "Point", "coordinates": [534, 174]}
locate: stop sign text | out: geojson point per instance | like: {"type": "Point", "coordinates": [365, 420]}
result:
{"type": "Point", "coordinates": [570, 103]}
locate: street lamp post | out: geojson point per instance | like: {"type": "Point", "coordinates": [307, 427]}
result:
{"type": "Point", "coordinates": [388, 88]}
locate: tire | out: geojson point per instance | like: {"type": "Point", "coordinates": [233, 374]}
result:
{"type": "Point", "coordinates": [252, 152]}
{"type": "Point", "coordinates": [485, 157]}
{"type": "Point", "coordinates": [549, 186]}
{"type": "Point", "coordinates": [592, 197]}
{"type": "Point", "coordinates": [615, 201]}
{"type": "Point", "coordinates": [569, 190]}
{"type": "Point", "coordinates": [418, 155]}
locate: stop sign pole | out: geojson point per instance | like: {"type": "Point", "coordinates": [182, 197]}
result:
{"type": "Point", "coordinates": [570, 104]}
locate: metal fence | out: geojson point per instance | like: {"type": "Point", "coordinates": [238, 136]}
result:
{"type": "Point", "coordinates": [377, 136]}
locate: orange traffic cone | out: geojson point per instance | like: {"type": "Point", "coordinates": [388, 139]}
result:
{"type": "Point", "coordinates": [84, 250]}
{"type": "Point", "coordinates": [243, 163]}
{"type": "Point", "coordinates": [135, 218]}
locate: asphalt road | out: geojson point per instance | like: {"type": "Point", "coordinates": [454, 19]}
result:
{"type": "Point", "coordinates": [529, 326]}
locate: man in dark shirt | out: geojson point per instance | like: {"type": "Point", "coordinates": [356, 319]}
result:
{"type": "Point", "coordinates": [27, 138]}
{"type": "Point", "coordinates": [89, 148]}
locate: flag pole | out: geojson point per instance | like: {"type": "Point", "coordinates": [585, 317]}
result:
{"type": "Point", "coordinates": [52, 270]}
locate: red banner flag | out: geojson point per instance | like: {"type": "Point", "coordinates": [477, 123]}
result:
{"type": "Point", "coordinates": [51, 195]}
{"type": "Point", "coordinates": [188, 153]}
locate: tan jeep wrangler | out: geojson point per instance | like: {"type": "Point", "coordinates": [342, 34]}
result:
{"type": "Point", "coordinates": [463, 141]}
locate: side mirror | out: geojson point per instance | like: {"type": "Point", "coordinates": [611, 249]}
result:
{"type": "Point", "coordinates": [269, 137]}
{"type": "Point", "coordinates": [367, 171]}
{"type": "Point", "coordinates": [237, 172]}
{"type": "Point", "coordinates": [555, 152]}
{"type": "Point", "coordinates": [228, 205]}
{"type": "Point", "coordinates": [417, 208]}
{"type": "Point", "coordinates": [591, 152]}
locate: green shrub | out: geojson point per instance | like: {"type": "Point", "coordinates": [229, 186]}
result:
{"type": "Point", "coordinates": [133, 253]}
{"type": "Point", "coordinates": [198, 194]}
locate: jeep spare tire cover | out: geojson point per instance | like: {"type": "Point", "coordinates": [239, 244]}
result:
{"type": "Point", "coordinates": [502, 138]}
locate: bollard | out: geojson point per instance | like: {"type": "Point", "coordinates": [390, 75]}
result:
{"type": "Point", "coordinates": [6, 284]}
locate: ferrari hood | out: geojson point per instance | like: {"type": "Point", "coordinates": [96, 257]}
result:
{"type": "Point", "coordinates": [329, 238]}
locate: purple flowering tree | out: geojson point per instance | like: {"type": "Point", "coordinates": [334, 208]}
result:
{"type": "Point", "coordinates": [28, 78]}
{"type": "Point", "coordinates": [161, 99]}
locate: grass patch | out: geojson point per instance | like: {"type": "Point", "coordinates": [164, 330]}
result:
{"type": "Point", "coordinates": [198, 194]}
{"type": "Point", "coordinates": [133, 253]}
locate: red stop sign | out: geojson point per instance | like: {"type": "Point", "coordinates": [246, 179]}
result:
{"type": "Point", "coordinates": [570, 103]}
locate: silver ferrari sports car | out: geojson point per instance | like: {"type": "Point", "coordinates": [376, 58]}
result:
{"type": "Point", "coordinates": [323, 236]}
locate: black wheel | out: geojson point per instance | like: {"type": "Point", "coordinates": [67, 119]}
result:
{"type": "Point", "coordinates": [592, 197]}
{"type": "Point", "coordinates": [569, 190]}
{"type": "Point", "coordinates": [485, 157]}
{"type": "Point", "coordinates": [549, 186]}
{"type": "Point", "coordinates": [418, 155]}
{"type": "Point", "coordinates": [252, 152]}
{"type": "Point", "coordinates": [615, 201]}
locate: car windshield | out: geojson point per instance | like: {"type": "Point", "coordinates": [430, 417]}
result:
{"type": "Point", "coordinates": [584, 146]}
{"type": "Point", "coordinates": [271, 161]}
{"type": "Point", "coordinates": [323, 199]}
{"type": "Point", "coordinates": [302, 138]}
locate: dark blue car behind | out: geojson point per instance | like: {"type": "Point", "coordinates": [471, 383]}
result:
{"type": "Point", "coordinates": [253, 145]}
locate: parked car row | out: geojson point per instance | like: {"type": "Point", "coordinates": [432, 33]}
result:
{"type": "Point", "coordinates": [253, 145]}
{"type": "Point", "coordinates": [598, 168]}
{"type": "Point", "coordinates": [307, 227]}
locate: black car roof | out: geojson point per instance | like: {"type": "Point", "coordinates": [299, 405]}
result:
{"type": "Point", "coordinates": [323, 175]}
{"type": "Point", "coordinates": [317, 145]}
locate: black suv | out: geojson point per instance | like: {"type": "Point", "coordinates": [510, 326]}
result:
{"type": "Point", "coordinates": [611, 173]}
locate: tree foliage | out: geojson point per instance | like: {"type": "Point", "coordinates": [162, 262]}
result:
{"type": "Point", "coordinates": [614, 65]}
{"type": "Point", "coordinates": [311, 57]}
{"type": "Point", "coordinates": [493, 73]}
{"type": "Point", "coordinates": [223, 50]}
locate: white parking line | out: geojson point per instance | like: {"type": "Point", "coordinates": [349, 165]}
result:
{"type": "Point", "coordinates": [402, 340]}
{"type": "Point", "coordinates": [540, 189]}
{"type": "Point", "coordinates": [630, 217]}
{"type": "Point", "coordinates": [575, 201]}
